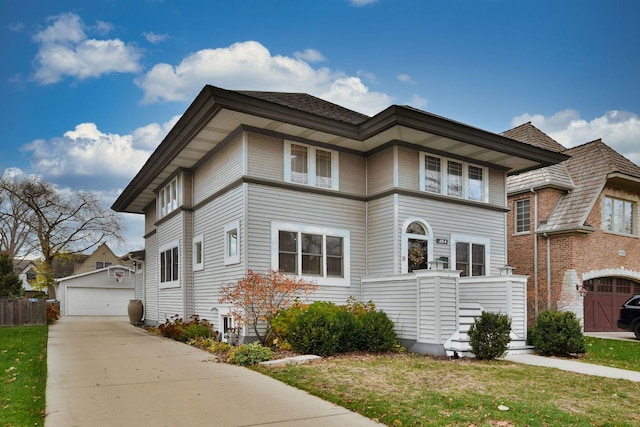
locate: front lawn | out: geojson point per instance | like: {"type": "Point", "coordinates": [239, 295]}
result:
{"type": "Point", "coordinates": [23, 375]}
{"type": "Point", "coordinates": [616, 353]}
{"type": "Point", "coordinates": [415, 390]}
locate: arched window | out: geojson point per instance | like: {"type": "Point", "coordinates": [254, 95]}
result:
{"type": "Point", "coordinates": [416, 245]}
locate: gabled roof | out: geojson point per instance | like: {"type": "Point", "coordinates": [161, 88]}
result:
{"type": "Point", "coordinates": [530, 134]}
{"type": "Point", "coordinates": [590, 167]}
{"type": "Point", "coordinates": [216, 115]}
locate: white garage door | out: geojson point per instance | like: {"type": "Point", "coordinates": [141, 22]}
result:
{"type": "Point", "coordinates": [98, 301]}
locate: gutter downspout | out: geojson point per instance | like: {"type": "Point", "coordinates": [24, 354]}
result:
{"type": "Point", "coordinates": [144, 284]}
{"type": "Point", "coordinates": [536, 279]}
{"type": "Point", "coordinates": [548, 271]}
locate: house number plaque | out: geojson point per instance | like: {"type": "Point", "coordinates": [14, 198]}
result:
{"type": "Point", "coordinates": [442, 241]}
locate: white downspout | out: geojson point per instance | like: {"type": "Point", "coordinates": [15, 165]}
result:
{"type": "Point", "coordinates": [548, 271]}
{"type": "Point", "coordinates": [536, 280]}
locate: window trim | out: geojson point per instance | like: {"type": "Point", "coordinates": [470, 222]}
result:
{"type": "Point", "coordinates": [444, 175]}
{"type": "Point", "coordinates": [634, 214]}
{"type": "Point", "coordinates": [166, 202]}
{"type": "Point", "coordinates": [472, 240]}
{"type": "Point", "coordinates": [516, 204]}
{"type": "Point", "coordinates": [198, 240]}
{"type": "Point", "coordinates": [324, 280]}
{"type": "Point", "coordinates": [164, 248]}
{"type": "Point", "coordinates": [311, 165]}
{"type": "Point", "coordinates": [228, 228]}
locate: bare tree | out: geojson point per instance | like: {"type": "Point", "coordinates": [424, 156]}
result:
{"type": "Point", "coordinates": [15, 237]}
{"type": "Point", "coordinates": [62, 223]}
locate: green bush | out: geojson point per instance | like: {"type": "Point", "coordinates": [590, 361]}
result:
{"type": "Point", "coordinates": [315, 331]}
{"type": "Point", "coordinates": [249, 354]}
{"type": "Point", "coordinates": [489, 335]}
{"type": "Point", "coordinates": [377, 332]}
{"type": "Point", "coordinates": [281, 325]}
{"type": "Point", "coordinates": [349, 331]}
{"type": "Point", "coordinates": [557, 333]}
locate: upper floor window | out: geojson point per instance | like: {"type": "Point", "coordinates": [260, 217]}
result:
{"type": "Point", "coordinates": [453, 178]}
{"type": "Point", "coordinates": [522, 216]}
{"type": "Point", "coordinates": [102, 264]}
{"type": "Point", "coordinates": [168, 197]}
{"type": "Point", "coordinates": [232, 243]}
{"type": "Point", "coordinates": [322, 254]}
{"type": "Point", "coordinates": [198, 252]}
{"type": "Point", "coordinates": [618, 215]}
{"type": "Point", "coordinates": [169, 265]}
{"type": "Point", "coordinates": [309, 165]}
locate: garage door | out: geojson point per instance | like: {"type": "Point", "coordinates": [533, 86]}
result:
{"type": "Point", "coordinates": [98, 301]}
{"type": "Point", "coordinates": [602, 302]}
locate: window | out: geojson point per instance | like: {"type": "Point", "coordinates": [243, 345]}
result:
{"type": "Point", "coordinates": [102, 264]}
{"type": "Point", "coordinates": [309, 165]}
{"type": "Point", "coordinates": [322, 254]}
{"type": "Point", "coordinates": [470, 255]}
{"type": "Point", "coordinates": [523, 216]}
{"type": "Point", "coordinates": [168, 198]}
{"type": "Point", "coordinates": [618, 215]}
{"type": "Point", "coordinates": [169, 265]}
{"type": "Point", "coordinates": [453, 178]}
{"type": "Point", "coordinates": [232, 243]}
{"type": "Point", "coordinates": [198, 254]}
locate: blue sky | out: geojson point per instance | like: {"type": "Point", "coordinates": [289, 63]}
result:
{"type": "Point", "coordinates": [89, 89]}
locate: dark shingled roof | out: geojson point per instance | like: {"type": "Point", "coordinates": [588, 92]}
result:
{"type": "Point", "coordinates": [529, 134]}
{"type": "Point", "coordinates": [310, 104]}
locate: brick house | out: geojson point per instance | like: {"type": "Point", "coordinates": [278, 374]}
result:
{"type": "Point", "coordinates": [573, 229]}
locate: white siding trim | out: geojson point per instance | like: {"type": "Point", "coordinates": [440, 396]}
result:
{"type": "Point", "coordinates": [165, 247]}
{"type": "Point", "coordinates": [228, 258]}
{"type": "Point", "coordinates": [199, 239]}
{"type": "Point", "coordinates": [472, 239]}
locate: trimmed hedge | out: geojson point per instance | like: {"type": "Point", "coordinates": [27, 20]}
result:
{"type": "Point", "coordinates": [557, 333]}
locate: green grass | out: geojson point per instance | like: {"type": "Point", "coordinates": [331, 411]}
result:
{"type": "Point", "coordinates": [615, 353]}
{"type": "Point", "coordinates": [23, 375]}
{"type": "Point", "coordinates": [414, 390]}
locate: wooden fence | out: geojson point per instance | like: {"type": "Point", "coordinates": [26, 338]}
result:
{"type": "Point", "coordinates": [23, 311]}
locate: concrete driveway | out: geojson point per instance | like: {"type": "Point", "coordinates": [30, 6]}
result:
{"type": "Point", "coordinates": [102, 371]}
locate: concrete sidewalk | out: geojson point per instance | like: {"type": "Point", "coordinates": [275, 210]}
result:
{"type": "Point", "coordinates": [102, 371]}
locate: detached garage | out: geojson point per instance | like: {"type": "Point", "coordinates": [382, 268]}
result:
{"type": "Point", "coordinates": [103, 292]}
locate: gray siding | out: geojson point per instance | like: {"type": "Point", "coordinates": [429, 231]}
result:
{"type": "Point", "coordinates": [219, 171]}
{"type": "Point", "coordinates": [150, 219]}
{"type": "Point", "coordinates": [352, 174]}
{"type": "Point", "coordinates": [210, 220]}
{"type": "Point", "coordinates": [497, 188]}
{"type": "Point", "coordinates": [265, 157]}
{"type": "Point", "coordinates": [151, 297]}
{"type": "Point", "coordinates": [171, 300]}
{"type": "Point", "coordinates": [267, 204]}
{"type": "Point", "coordinates": [408, 169]}
{"type": "Point", "coordinates": [380, 172]}
{"type": "Point", "coordinates": [397, 297]}
{"type": "Point", "coordinates": [380, 236]}
{"type": "Point", "coordinates": [437, 306]}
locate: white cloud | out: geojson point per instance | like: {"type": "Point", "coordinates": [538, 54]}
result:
{"type": "Point", "coordinates": [360, 3]}
{"type": "Point", "coordinates": [618, 129]}
{"type": "Point", "coordinates": [65, 50]}
{"type": "Point", "coordinates": [418, 102]}
{"type": "Point", "coordinates": [15, 27]}
{"type": "Point", "coordinates": [310, 55]}
{"type": "Point", "coordinates": [250, 66]}
{"type": "Point", "coordinates": [88, 158]}
{"type": "Point", "coordinates": [405, 78]}
{"type": "Point", "coordinates": [155, 38]}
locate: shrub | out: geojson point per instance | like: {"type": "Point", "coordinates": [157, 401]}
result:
{"type": "Point", "coordinates": [249, 354]}
{"type": "Point", "coordinates": [315, 331]}
{"type": "Point", "coordinates": [358, 308]}
{"type": "Point", "coordinates": [377, 332]}
{"type": "Point", "coordinates": [348, 330]}
{"type": "Point", "coordinates": [281, 325]}
{"type": "Point", "coordinates": [557, 333]}
{"type": "Point", "coordinates": [489, 335]}
{"type": "Point", "coordinates": [176, 329]}
{"type": "Point", "coordinates": [53, 312]}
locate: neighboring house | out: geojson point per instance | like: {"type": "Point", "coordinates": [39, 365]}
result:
{"type": "Point", "coordinates": [26, 271]}
{"type": "Point", "coordinates": [394, 208]}
{"type": "Point", "coordinates": [103, 292]}
{"type": "Point", "coordinates": [575, 225]}
{"type": "Point", "coordinates": [102, 257]}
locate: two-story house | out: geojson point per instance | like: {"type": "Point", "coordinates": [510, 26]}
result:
{"type": "Point", "coordinates": [405, 208]}
{"type": "Point", "coordinates": [573, 230]}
